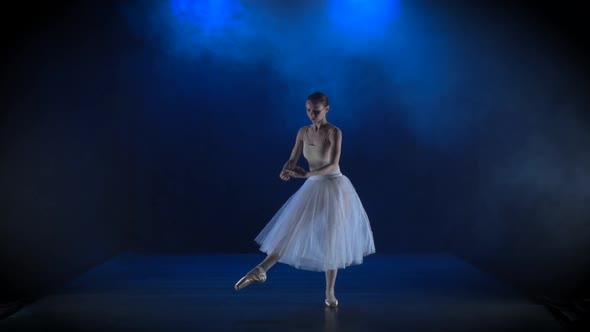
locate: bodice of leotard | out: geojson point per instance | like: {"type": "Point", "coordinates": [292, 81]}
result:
{"type": "Point", "coordinates": [316, 153]}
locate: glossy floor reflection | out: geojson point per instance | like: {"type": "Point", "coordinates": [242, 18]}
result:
{"type": "Point", "coordinates": [429, 292]}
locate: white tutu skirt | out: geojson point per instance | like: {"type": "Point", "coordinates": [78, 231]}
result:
{"type": "Point", "coordinates": [323, 226]}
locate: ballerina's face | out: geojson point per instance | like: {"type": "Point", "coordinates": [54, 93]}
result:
{"type": "Point", "coordinates": [316, 111]}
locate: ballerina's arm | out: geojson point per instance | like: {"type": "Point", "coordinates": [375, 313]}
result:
{"type": "Point", "coordinates": [296, 152]}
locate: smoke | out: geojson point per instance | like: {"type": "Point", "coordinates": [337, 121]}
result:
{"type": "Point", "coordinates": [494, 92]}
{"type": "Point", "coordinates": [545, 176]}
{"type": "Point", "coordinates": [440, 75]}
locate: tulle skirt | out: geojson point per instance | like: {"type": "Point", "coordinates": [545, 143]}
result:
{"type": "Point", "coordinates": [323, 226]}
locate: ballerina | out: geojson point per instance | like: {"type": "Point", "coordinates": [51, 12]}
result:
{"type": "Point", "coordinates": [323, 226]}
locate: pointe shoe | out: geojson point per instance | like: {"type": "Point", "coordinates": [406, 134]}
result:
{"type": "Point", "coordinates": [331, 303]}
{"type": "Point", "coordinates": [257, 275]}
{"type": "Point", "coordinates": [331, 300]}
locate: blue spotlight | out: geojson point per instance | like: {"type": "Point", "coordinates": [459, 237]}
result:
{"type": "Point", "coordinates": [188, 28]}
{"type": "Point", "coordinates": [209, 16]}
{"type": "Point", "coordinates": [363, 17]}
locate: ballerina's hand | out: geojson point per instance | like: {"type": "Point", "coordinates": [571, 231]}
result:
{"type": "Point", "coordinates": [285, 175]}
{"type": "Point", "coordinates": [297, 172]}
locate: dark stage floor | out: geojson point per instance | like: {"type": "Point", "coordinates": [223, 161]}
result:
{"type": "Point", "coordinates": [430, 292]}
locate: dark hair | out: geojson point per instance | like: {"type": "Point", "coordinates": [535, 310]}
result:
{"type": "Point", "coordinates": [319, 97]}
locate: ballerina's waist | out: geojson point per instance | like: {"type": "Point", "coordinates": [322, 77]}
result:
{"type": "Point", "coordinates": [334, 174]}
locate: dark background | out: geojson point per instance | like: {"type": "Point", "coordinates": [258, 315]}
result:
{"type": "Point", "coordinates": [465, 131]}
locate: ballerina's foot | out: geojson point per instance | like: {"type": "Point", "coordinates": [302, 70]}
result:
{"type": "Point", "coordinates": [331, 300]}
{"type": "Point", "coordinates": [257, 275]}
